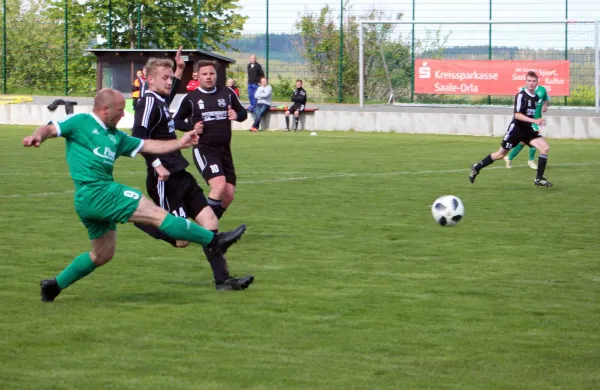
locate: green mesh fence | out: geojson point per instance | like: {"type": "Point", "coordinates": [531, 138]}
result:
{"type": "Point", "coordinates": [44, 42]}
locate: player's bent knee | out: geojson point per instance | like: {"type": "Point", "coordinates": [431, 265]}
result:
{"type": "Point", "coordinates": [103, 248]}
{"type": "Point", "coordinates": [148, 213]}
{"type": "Point", "coordinates": [102, 255]}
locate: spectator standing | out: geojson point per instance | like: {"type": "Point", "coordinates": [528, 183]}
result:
{"type": "Point", "coordinates": [255, 72]}
{"type": "Point", "coordinates": [136, 87]}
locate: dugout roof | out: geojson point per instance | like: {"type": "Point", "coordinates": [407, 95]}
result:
{"type": "Point", "coordinates": [116, 68]}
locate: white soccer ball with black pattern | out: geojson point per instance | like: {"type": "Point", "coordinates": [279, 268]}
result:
{"type": "Point", "coordinates": [448, 210]}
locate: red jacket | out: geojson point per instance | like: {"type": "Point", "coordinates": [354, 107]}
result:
{"type": "Point", "coordinates": [193, 84]}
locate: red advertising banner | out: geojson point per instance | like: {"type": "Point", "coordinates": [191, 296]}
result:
{"type": "Point", "coordinates": [488, 77]}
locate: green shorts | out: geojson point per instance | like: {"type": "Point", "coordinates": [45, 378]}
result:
{"type": "Point", "coordinates": [535, 127]}
{"type": "Point", "coordinates": [100, 206]}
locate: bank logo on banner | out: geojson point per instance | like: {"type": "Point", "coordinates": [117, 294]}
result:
{"type": "Point", "coordinates": [488, 77]}
{"type": "Point", "coordinates": [424, 71]}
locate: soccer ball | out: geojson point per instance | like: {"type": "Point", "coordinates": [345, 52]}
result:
{"type": "Point", "coordinates": [447, 210]}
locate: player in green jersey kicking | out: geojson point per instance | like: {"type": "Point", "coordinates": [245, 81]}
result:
{"type": "Point", "coordinates": [93, 144]}
{"type": "Point", "coordinates": [545, 99]}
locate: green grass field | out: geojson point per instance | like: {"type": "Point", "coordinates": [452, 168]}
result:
{"type": "Point", "coordinates": [356, 286]}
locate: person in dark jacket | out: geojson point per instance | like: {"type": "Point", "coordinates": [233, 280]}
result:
{"type": "Point", "coordinates": [299, 100]}
{"type": "Point", "coordinates": [255, 73]}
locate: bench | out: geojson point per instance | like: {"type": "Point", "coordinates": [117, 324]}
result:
{"type": "Point", "coordinates": [275, 121]}
{"type": "Point", "coordinates": [285, 109]}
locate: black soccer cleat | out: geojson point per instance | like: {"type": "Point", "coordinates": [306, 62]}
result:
{"type": "Point", "coordinates": [49, 290]}
{"type": "Point", "coordinates": [235, 283]}
{"type": "Point", "coordinates": [224, 240]}
{"type": "Point", "coordinates": [542, 182]}
{"type": "Point", "coordinates": [474, 173]}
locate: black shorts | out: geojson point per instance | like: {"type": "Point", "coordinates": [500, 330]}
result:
{"type": "Point", "coordinates": [214, 161]}
{"type": "Point", "coordinates": [180, 194]}
{"type": "Point", "coordinates": [517, 134]}
{"type": "Point", "coordinates": [296, 107]}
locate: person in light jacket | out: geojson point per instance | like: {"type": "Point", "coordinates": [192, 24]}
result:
{"type": "Point", "coordinates": [263, 102]}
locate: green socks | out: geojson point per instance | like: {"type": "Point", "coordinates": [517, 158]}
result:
{"type": "Point", "coordinates": [178, 228]}
{"type": "Point", "coordinates": [80, 267]}
{"type": "Point", "coordinates": [531, 153]}
{"type": "Point", "coordinates": [514, 151]}
{"type": "Point", "coordinates": [184, 229]}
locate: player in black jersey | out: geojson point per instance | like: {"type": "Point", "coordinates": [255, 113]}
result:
{"type": "Point", "coordinates": [216, 106]}
{"type": "Point", "coordinates": [520, 130]}
{"type": "Point", "coordinates": [167, 182]}
{"type": "Point", "coordinates": [299, 100]}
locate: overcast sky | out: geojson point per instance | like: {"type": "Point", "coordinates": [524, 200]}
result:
{"type": "Point", "coordinates": [284, 13]}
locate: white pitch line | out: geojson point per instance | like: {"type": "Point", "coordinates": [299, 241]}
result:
{"type": "Point", "coordinates": [141, 173]}
{"type": "Point", "coordinates": [398, 173]}
{"type": "Point", "coordinates": [332, 176]}
{"type": "Point", "coordinates": [35, 195]}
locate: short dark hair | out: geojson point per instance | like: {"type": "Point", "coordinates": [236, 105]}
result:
{"type": "Point", "coordinates": [140, 70]}
{"type": "Point", "coordinates": [532, 74]}
{"type": "Point", "coordinates": [298, 80]}
{"type": "Point", "coordinates": [203, 63]}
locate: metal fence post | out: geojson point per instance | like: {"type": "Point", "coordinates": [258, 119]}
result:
{"type": "Point", "coordinates": [490, 46]}
{"type": "Point", "coordinates": [139, 24]}
{"type": "Point", "coordinates": [267, 43]}
{"type": "Point", "coordinates": [66, 47]}
{"type": "Point", "coordinates": [341, 71]}
{"type": "Point", "coordinates": [361, 65]}
{"type": "Point", "coordinates": [597, 62]}
{"type": "Point", "coordinates": [4, 44]}
{"type": "Point", "coordinates": [109, 24]}
{"type": "Point", "coordinates": [412, 56]}
{"type": "Point", "coordinates": [566, 39]}
{"type": "Point", "coordinates": [199, 37]}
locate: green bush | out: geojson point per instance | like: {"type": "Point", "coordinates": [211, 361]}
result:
{"type": "Point", "coordinates": [283, 88]}
{"type": "Point", "coordinates": [582, 95]}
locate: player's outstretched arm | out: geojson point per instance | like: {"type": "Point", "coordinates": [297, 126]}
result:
{"type": "Point", "coordinates": [179, 63]}
{"type": "Point", "coordinates": [163, 147]}
{"type": "Point", "coordinates": [40, 134]}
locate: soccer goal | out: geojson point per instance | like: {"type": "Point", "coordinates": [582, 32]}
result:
{"type": "Point", "coordinates": [477, 62]}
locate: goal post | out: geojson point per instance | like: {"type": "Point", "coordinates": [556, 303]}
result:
{"type": "Point", "coordinates": [582, 51]}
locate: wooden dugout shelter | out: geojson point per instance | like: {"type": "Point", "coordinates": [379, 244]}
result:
{"type": "Point", "coordinates": [116, 68]}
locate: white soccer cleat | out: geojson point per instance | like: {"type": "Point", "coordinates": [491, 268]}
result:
{"type": "Point", "coordinates": [532, 164]}
{"type": "Point", "coordinates": [507, 161]}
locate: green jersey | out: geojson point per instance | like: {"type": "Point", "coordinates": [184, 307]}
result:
{"type": "Point", "coordinates": [543, 95]}
{"type": "Point", "coordinates": [92, 148]}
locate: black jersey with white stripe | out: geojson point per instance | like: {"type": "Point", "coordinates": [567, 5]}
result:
{"type": "Point", "coordinates": [211, 108]}
{"type": "Point", "coordinates": [525, 103]}
{"type": "Point", "coordinates": [154, 121]}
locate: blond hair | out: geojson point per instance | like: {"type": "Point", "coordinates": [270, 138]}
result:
{"type": "Point", "coordinates": [154, 64]}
